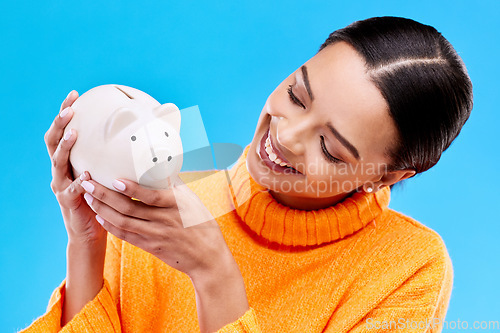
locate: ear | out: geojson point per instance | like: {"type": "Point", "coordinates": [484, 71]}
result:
{"type": "Point", "coordinates": [119, 119]}
{"type": "Point", "coordinates": [170, 112]}
{"type": "Point", "coordinates": [392, 177]}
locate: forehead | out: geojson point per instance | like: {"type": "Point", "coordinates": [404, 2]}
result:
{"type": "Point", "coordinates": [345, 95]}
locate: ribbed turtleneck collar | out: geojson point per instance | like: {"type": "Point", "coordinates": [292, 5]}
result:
{"type": "Point", "coordinates": [287, 226]}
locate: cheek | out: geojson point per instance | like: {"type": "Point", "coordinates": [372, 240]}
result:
{"type": "Point", "coordinates": [316, 168]}
{"type": "Point", "coordinates": [344, 173]}
{"type": "Point", "coordinates": [358, 174]}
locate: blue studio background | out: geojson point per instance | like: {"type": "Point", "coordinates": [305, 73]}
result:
{"type": "Point", "coordinates": [225, 57]}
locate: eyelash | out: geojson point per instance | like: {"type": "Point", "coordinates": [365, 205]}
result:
{"type": "Point", "coordinates": [294, 98]}
{"type": "Point", "coordinates": [327, 155]}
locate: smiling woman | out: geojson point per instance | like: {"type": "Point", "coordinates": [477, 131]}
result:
{"type": "Point", "coordinates": [390, 95]}
{"type": "Point", "coordinates": [346, 123]}
{"type": "Point", "coordinates": [297, 236]}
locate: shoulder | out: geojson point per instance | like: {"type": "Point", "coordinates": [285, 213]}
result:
{"type": "Point", "coordinates": [418, 257]}
{"type": "Point", "coordinates": [415, 233]}
{"type": "Point", "coordinates": [415, 246]}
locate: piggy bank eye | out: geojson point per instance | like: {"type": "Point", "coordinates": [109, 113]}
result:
{"type": "Point", "coordinates": [166, 134]}
{"type": "Point", "coordinates": [133, 138]}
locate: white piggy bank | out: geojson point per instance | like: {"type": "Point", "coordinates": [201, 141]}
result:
{"type": "Point", "coordinates": [125, 133]}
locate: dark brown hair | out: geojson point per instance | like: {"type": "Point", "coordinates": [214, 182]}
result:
{"type": "Point", "coordinates": [423, 80]}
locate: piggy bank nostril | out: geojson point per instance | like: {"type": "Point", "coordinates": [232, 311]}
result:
{"type": "Point", "coordinates": [155, 159]}
{"type": "Point", "coordinates": [169, 158]}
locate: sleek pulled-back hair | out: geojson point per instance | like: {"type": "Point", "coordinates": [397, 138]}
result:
{"type": "Point", "coordinates": [423, 80]}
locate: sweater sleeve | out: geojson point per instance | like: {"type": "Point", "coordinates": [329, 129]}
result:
{"type": "Point", "coordinates": [245, 324]}
{"type": "Point", "coordinates": [100, 314]}
{"type": "Point", "coordinates": [417, 305]}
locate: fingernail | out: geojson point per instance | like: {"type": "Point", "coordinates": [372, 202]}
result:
{"type": "Point", "coordinates": [99, 219]}
{"type": "Point", "coordinates": [88, 186]}
{"type": "Point", "coordinates": [64, 112]}
{"type": "Point", "coordinates": [88, 198]}
{"type": "Point", "coordinates": [118, 185]}
{"type": "Point", "coordinates": [69, 94]}
{"type": "Point", "coordinates": [83, 176]}
{"type": "Point", "coordinates": [67, 135]}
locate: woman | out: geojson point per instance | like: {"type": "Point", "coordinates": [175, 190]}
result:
{"type": "Point", "coordinates": [297, 236]}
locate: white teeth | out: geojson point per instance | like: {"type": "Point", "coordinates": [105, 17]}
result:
{"type": "Point", "coordinates": [272, 155]}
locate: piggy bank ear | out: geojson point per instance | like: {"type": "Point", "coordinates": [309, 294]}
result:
{"type": "Point", "coordinates": [170, 112]}
{"type": "Point", "coordinates": [118, 120]}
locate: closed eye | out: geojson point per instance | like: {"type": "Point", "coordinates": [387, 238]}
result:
{"type": "Point", "coordinates": [294, 98]}
{"type": "Point", "coordinates": [326, 154]}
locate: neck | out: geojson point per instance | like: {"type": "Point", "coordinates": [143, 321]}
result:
{"type": "Point", "coordinates": [306, 203]}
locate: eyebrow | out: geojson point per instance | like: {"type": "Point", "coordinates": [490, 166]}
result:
{"type": "Point", "coordinates": [306, 81]}
{"type": "Point", "coordinates": [343, 140]}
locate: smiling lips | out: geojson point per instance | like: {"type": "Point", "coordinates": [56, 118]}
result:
{"type": "Point", "coordinates": [273, 153]}
{"type": "Point", "coordinates": [275, 156]}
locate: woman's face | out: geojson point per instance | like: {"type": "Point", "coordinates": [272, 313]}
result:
{"type": "Point", "coordinates": [330, 123]}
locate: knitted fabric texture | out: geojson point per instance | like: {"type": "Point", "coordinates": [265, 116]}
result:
{"type": "Point", "coordinates": [357, 266]}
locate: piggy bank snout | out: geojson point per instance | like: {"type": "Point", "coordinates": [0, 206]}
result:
{"type": "Point", "coordinates": [164, 164]}
{"type": "Point", "coordinates": [158, 155]}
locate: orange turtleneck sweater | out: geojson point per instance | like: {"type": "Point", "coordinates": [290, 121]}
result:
{"type": "Point", "coordinates": [357, 266]}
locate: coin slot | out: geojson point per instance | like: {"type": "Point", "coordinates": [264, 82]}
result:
{"type": "Point", "coordinates": [124, 93]}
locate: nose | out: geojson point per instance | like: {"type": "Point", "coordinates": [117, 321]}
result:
{"type": "Point", "coordinates": [155, 159]}
{"type": "Point", "coordinates": [291, 134]}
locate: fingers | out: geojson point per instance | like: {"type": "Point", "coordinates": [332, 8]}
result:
{"type": "Point", "coordinates": [60, 159]}
{"type": "Point", "coordinates": [72, 193]}
{"type": "Point", "coordinates": [102, 196]}
{"type": "Point", "coordinates": [55, 132]}
{"type": "Point", "coordinates": [117, 222]}
{"type": "Point", "coordinates": [128, 236]}
{"type": "Point", "coordinates": [70, 99]}
{"type": "Point", "coordinates": [158, 198]}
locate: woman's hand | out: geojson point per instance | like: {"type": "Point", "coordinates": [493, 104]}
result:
{"type": "Point", "coordinates": [78, 218]}
{"type": "Point", "coordinates": [176, 227]}
{"type": "Point", "coordinates": [86, 238]}
{"type": "Point", "coordinates": [172, 224]}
